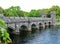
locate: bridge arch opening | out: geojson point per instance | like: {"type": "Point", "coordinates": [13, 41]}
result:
{"type": "Point", "coordinates": [40, 25]}
{"type": "Point", "coordinates": [49, 24]}
{"type": "Point", "coordinates": [33, 26]}
{"type": "Point", "coordinates": [10, 30]}
{"type": "Point", "coordinates": [45, 24]}
{"type": "Point", "coordinates": [23, 27]}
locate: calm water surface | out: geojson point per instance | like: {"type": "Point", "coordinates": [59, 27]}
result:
{"type": "Point", "coordinates": [44, 36]}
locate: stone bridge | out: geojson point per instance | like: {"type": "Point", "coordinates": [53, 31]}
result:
{"type": "Point", "coordinates": [27, 23]}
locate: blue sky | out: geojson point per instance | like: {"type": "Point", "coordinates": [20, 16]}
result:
{"type": "Point", "coordinates": [27, 5]}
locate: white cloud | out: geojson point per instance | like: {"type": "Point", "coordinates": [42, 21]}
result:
{"type": "Point", "coordinates": [27, 5]}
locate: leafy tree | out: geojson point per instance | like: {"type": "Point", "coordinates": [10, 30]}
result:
{"type": "Point", "coordinates": [20, 13]}
{"type": "Point", "coordinates": [56, 9]}
{"type": "Point", "coordinates": [13, 11]}
{"type": "Point", "coordinates": [47, 12]}
{"type": "Point", "coordinates": [4, 35]}
{"type": "Point", "coordinates": [34, 13]}
{"type": "Point", "coordinates": [16, 11]}
{"type": "Point", "coordinates": [1, 10]}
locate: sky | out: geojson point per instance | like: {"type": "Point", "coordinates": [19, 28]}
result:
{"type": "Point", "coordinates": [28, 5]}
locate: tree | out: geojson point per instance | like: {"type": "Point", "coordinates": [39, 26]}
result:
{"type": "Point", "coordinates": [56, 9]}
{"type": "Point", "coordinates": [13, 11]}
{"type": "Point", "coordinates": [1, 10]}
{"type": "Point", "coordinates": [4, 35]}
{"type": "Point", "coordinates": [34, 13]}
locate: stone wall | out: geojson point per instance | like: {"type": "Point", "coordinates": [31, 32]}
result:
{"type": "Point", "coordinates": [17, 22]}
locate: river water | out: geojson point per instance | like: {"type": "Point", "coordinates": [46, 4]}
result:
{"type": "Point", "coordinates": [43, 36]}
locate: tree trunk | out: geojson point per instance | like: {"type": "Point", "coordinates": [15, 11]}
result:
{"type": "Point", "coordinates": [0, 42]}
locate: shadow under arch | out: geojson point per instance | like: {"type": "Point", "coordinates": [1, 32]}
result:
{"type": "Point", "coordinates": [10, 30]}
{"type": "Point", "coordinates": [49, 24]}
{"type": "Point", "coordinates": [33, 26]}
{"type": "Point", "coordinates": [40, 25]}
{"type": "Point", "coordinates": [23, 27]}
{"type": "Point", "coordinates": [23, 31]}
{"type": "Point", "coordinates": [45, 24]}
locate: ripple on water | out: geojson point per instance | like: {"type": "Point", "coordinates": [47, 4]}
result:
{"type": "Point", "coordinates": [48, 36]}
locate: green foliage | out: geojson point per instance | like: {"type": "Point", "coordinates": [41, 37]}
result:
{"type": "Point", "coordinates": [57, 10]}
{"type": "Point", "coordinates": [2, 24]}
{"type": "Point", "coordinates": [1, 10]}
{"type": "Point", "coordinates": [58, 23]}
{"type": "Point", "coordinates": [13, 11]}
{"type": "Point", "coordinates": [16, 11]}
{"type": "Point", "coordinates": [4, 35]}
{"type": "Point", "coordinates": [34, 13]}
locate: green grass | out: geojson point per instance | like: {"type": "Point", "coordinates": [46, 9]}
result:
{"type": "Point", "coordinates": [58, 23]}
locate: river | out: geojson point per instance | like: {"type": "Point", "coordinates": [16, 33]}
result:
{"type": "Point", "coordinates": [43, 36]}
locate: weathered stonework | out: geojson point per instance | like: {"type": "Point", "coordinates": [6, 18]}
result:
{"type": "Point", "coordinates": [17, 22]}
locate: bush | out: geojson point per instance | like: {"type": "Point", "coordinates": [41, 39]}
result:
{"type": "Point", "coordinates": [4, 35]}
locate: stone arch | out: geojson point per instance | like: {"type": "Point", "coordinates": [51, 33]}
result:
{"type": "Point", "coordinates": [10, 30]}
{"type": "Point", "coordinates": [33, 26]}
{"type": "Point", "coordinates": [45, 23]}
{"type": "Point", "coordinates": [49, 23]}
{"type": "Point", "coordinates": [23, 27]}
{"type": "Point", "coordinates": [40, 25]}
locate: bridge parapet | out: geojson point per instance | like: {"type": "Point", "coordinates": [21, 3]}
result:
{"type": "Point", "coordinates": [18, 22]}
{"type": "Point", "coordinates": [6, 19]}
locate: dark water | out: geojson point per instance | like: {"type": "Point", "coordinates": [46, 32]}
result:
{"type": "Point", "coordinates": [43, 36]}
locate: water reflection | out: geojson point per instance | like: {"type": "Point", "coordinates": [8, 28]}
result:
{"type": "Point", "coordinates": [44, 36]}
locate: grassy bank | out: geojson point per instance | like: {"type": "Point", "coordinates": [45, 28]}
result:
{"type": "Point", "coordinates": [58, 23]}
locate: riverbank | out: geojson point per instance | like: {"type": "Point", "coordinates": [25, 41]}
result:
{"type": "Point", "coordinates": [6, 42]}
{"type": "Point", "coordinates": [57, 23]}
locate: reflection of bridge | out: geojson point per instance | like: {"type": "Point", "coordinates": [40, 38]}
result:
{"type": "Point", "coordinates": [29, 22]}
